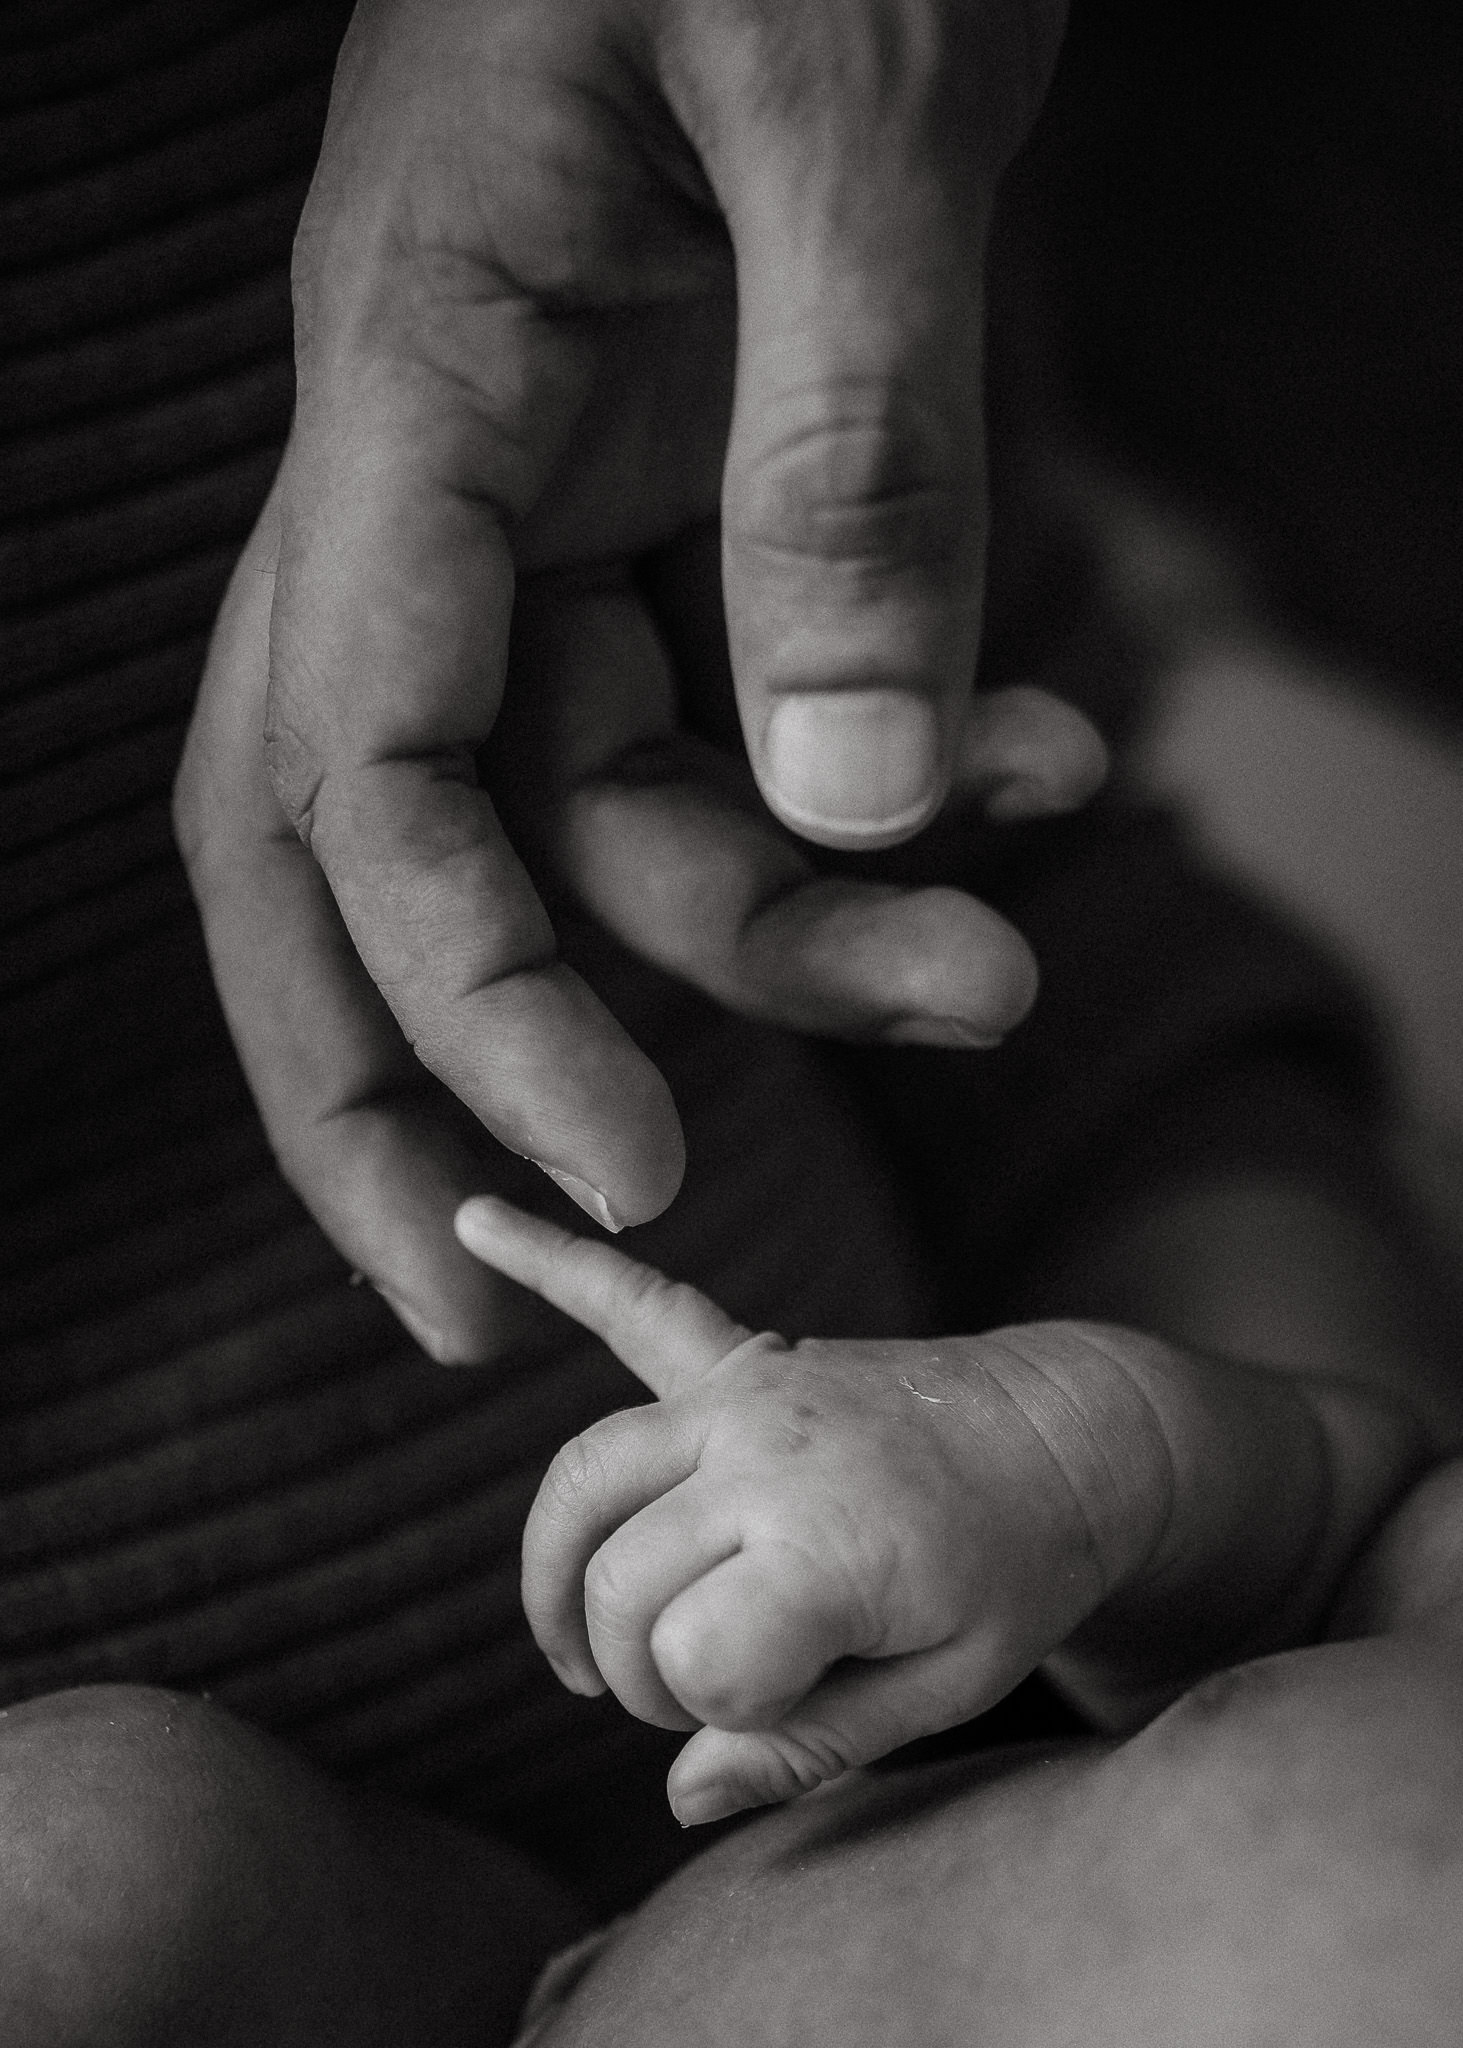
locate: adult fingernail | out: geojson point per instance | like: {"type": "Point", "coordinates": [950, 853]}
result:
{"type": "Point", "coordinates": [863, 763]}
{"type": "Point", "coordinates": [952, 1033]}
{"type": "Point", "coordinates": [588, 1687]}
{"type": "Point", "coordinates": [590, 1200]}
{"type": "Point", "coordinates": [712, 1801]}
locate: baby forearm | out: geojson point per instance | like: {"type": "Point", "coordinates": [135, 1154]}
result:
{"type": "Point", "coordinates": [1275, 1270]}
{"type": "Point", "coordinates": [1350, 1384]}
{"type": "Point", "coordinates": [1276, 1479]}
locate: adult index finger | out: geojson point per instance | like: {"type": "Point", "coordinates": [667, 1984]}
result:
{"type": "Point", "coordinates": [388, 651]}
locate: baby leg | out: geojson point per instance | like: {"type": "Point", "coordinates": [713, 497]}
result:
{"type": "Point", "coordinates": [169, 1876]}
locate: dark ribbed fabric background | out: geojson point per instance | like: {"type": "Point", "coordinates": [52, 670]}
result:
{"type": "Point", "coordinates": [221, 1467]}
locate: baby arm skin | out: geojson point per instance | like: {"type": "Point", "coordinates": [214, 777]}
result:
{"type": "Point", "coordinates": [1334, 1296]}
{"type": "Point", "coordinates": [811, 1554]}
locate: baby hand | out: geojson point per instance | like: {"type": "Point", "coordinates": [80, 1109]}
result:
{"type": "Point", "coordinates": [819, 1551]}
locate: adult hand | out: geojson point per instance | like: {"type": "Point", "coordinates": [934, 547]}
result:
{"type": "Point", "coordinates": [569, 275]}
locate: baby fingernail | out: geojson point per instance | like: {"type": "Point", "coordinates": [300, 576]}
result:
{"type": "Point", "coordinates": [863, 763]}
{"type": "Point", "coordinates": [589, 1199]}
{"type": "Point", "coordinates": [713, 1801]}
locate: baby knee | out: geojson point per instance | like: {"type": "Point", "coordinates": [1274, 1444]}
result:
{"type": "Point", "coordinates": [131, 1868]}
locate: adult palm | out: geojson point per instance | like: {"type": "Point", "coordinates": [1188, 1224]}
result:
{"type": "Point", "coordinates": [573, 276]}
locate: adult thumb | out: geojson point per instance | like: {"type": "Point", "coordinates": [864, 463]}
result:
{"type": "Point", "coordinates": [857, 181]}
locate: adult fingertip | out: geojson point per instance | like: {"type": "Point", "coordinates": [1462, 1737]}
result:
{"type": "Point", "coordinates": [627, 1166]}
{"type": "Point", "coordinates": [475, 1315]}
{"type": "Point", "coordinates": [585, 1680]}
{"type": "Point", "coordinates": [1024, 797]}
{"type": "Point", "coordinates": [967, 979]}
{"type": "Point", "coordinates": [585, 1197]}
{"type": "Point", "coordinates": [1028, 754]}
{"type": "Point", "coordinates": [433, 1341]}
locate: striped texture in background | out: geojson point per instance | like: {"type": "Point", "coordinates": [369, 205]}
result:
{"type": "Point", "coordinates": [220, 1466]}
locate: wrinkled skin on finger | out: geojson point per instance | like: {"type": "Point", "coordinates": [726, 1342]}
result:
{"type": "Point", "coordinates": [571, 280]}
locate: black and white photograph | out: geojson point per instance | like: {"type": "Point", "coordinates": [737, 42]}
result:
{"type": "Point", "coordinates": [731, 1024]}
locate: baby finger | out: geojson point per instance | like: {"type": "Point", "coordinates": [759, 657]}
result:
{"type": "Point", "coordinates": [743, 1644]}
{"type": "Point", "coordinates": [597, 1481]}
{"type": "Point", "coordinates": [637, 1572]}
{"type": "Point", "coordinates": [858, 1714]}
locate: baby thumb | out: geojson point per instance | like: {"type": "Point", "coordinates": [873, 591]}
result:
{"type": "Point", "coordinates": [858, 1714]}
